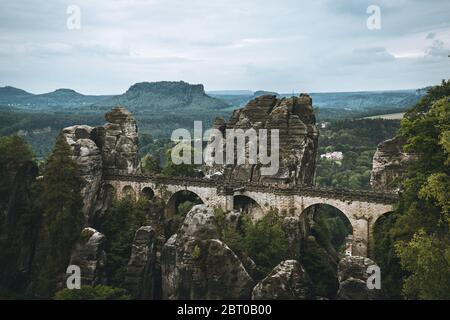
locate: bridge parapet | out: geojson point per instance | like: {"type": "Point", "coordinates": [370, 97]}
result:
{"type": "Point", "coordinates": [225, 187]}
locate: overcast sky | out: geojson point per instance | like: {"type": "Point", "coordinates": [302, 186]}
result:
{"type": "Point", "coordinates": [283, 45]}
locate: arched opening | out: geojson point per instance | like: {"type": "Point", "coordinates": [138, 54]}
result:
{"type": "Point", "coordinates": [332, 226]}
{"type": "Point", "coordinates": [248, 206]}
{"type": "Point", "coordinates": [328, 238]}
{"type": "Point", "coordinates": [179, 204]}
{"type": "Point", "coordinates": [147, 193]}
{"type": "Point", "coordinates": [382, 238]}
{"type": "Point", "coordinates": [128, 192]}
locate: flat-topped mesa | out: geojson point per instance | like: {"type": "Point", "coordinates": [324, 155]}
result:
{"type": "Point", "coordinates": [111, 148]}
{"type": "Point", "coordinates": [294, 118]}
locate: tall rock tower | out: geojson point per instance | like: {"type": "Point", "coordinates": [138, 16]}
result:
{"type": "Point", "coordinates": [298, 139]}
{"type": "Point", "coordinates": [111, 148]}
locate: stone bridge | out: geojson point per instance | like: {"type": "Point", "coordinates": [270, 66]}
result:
{"type": "Point", "coordinates": [362, 208]}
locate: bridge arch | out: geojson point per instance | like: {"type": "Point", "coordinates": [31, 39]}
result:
{"type": "Point", "coordinates": [382, 217]}
{"type": "Point", "coordinates": [147, 193]}
{"type": "Point", "coordinates": [358, 215]}
{"type": "Point", "coordinates": [246, 204]}
{"type": "Point", "coordinates": [177, 207]}
{"type": "Point", "coordinates": [129, 192]}
{"type": "Point", "coordinates": [339, 226]}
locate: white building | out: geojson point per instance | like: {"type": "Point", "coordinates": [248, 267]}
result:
{"type": "Point", "coordinates": [335, 156]}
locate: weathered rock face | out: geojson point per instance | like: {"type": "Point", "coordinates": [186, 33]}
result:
{"type": "Point", "coordinates": [287, 281]}
{"type": "Point", "coordinates": [143, 275]}
{"type": "Point", "coordinates": [90, 256]}
{"type": "Point", "coordinates": [389, 164]}
{"type": "Point", "coordinates": [199, 223]}
{"type": "Point", "coordinates": [294, 118]}
{"type": "Point", "coordinates": [112, 147]}
{"type": "Point", "coordinates": [295, 229]}
{"type": "Point", "coordinates": [352, 276]}
{"type": "Point", "coordinates": [118, 141]}
{"type": "Point", "coordinates": [196, 265]}
{"type": "Point", "coordinates": [89, 159]}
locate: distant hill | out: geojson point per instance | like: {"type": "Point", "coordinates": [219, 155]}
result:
{"type": "Point", "coordinates": [163, 96]}
{"type": "Point", "coordinates": [9, 92]}
{"type": "Point", "coordinates": [161, 107]}
{"type": "Point", "coordinates": [260, 93]}
{"type": "Point", "coordinates": [55, 101]}
{"type": "Point", "coordinates": [334, 105]}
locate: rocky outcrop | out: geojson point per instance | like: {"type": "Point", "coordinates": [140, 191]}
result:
{"type": "Point", "coordinates": [389, 165]}
{"type": "Point", "coordinates": [88, 156]}
{"type": "Point", "coordinates": [90, 256]}
{"type": "Point", "coordinates": [197, 265]}
{"type": "Point", "coordinates": [295, 229]}
{"type": "Point", "coordinates": [118, 141]}
{"type": "Point", "coordinates": [112, 148]}
{"type": "Point", "coordinates": [287, 281]}
{"type": "Point", "coordinates": [298, 135]}
{"type": "Point", "coordinates": [143, 274]}
{"type": "Point", "coordinates": [352, 276]}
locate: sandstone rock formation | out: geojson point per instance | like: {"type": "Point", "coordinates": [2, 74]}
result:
{"type": "Point", "coordinates": [287, 281]}
{"type": "Point", "coordinates": [90, 256]}
{"type": "Point", "coordinates": [111, 148]}
{"type": "Point", "coordinates": [197, 265]}
{"type": "Point", "coordinates": [389, 164]}
{"type": "Point", "coordinates": [295, 229]}
{"type": "Point", "coordinates": [143, 274]}
{"type": "Point", "coordinates": [298, 135]}
{"type": "Point", "coordinates": [352, 276]}
{"type": "Point", "coordinates": [88, 156]}
{"type": "Point", "coordinates": [118, 141]}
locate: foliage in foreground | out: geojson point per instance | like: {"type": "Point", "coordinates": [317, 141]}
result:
{"type": "Point", "coordinates": [264, 240]}
{"type": "Point", "coordinates": [119, 227]}
{"type": "Point", "coordinates": [63, 218]}
{"type": "Point", "coordinates": [99, 292]}
{"type": "Point", "coordinates": [417, 237]}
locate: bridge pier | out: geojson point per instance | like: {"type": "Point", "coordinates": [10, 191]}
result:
{"type": "Point", "coordinates": [229, 202]}
{"type": "Point", "coordinates": [360, 237]}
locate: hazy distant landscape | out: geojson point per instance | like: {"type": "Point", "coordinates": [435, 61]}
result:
{"type": "Point", "coordinates": [161, 107]}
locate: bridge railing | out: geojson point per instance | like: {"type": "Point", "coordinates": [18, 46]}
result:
{"type": "Point", "coordinates": [281, 189]}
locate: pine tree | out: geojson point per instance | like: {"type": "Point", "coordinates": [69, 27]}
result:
{"type": "Point", "coordinates": [63, 218]}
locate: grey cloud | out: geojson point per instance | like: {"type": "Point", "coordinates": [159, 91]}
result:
{"type": "Point", "coordinates": [431, 35]}
{"type": "Point", "coordinates": [281, 45]}
{"type": "Point", "coordinates": [437, 49]}
{"type": "Point", "coordinates": [371, 55]}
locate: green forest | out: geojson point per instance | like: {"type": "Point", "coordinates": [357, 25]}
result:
{"type": "Point", "coordinates": [357, 140]}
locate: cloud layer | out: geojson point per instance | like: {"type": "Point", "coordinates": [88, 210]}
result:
{"type": "Point", "coordinates": [281, 45]}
